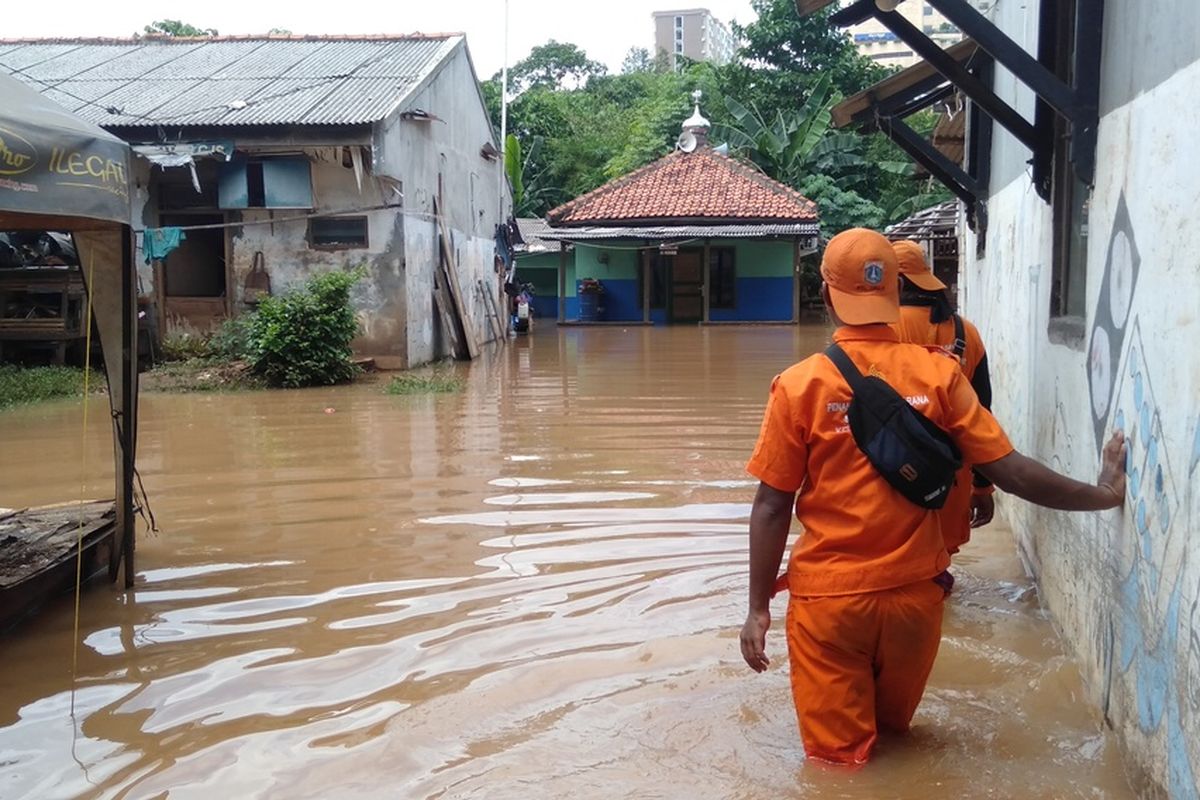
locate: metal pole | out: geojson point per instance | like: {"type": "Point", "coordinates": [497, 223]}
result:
{"type": "Point", "coordinates": [562, 281]}
{"type": "Point", "coordinates": [128, 428]}
{"type": "Point", "coordinates": [646, 278]}
{"type": "Point", "coordinates": [504, 113]}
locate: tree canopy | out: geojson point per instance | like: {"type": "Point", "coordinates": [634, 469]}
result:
{"type": "Point", "coordinates": [553, 65]}
{"type": "Point", "coordinates": [579, 127]}
{"type": "Point", "coordinates": [174, 27]}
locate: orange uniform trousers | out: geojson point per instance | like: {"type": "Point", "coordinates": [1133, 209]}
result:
{"type": "Point", "coordinates": [859, 664]}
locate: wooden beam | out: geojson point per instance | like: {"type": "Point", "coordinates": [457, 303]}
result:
{"type": "Point", "coordinates": [449, 266]}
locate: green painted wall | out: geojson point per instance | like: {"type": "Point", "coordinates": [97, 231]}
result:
{"type": "Point", "coordinates": [753, 259]}
{"type": "Point", "coordinates": [542, 271]}
{"type": "Point", "coordinates": [622, 263]}
{"type": "Point", "coordinates": [760, 259]}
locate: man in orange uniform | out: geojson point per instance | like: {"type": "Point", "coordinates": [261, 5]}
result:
{"type": "Point", "coordinates": [927, 318]}
{"type": "Point", "coordinates": [865, 613]}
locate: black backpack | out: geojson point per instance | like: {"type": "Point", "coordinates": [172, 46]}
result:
{"type": "Point", "coordinates": [914, 455]}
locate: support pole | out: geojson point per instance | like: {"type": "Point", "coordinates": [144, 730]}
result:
{"type": "Point", "coordinates": [961, 77]}
{"type": "Point", "coordinates": [1028, 70]}
{"type": "Point", "coordinates": [706, 268]}
{"type": "Point", "coordinates": [562, 281]}
{"type": "Point", "coordinates": [796, 279]}
{"type": "Point", "coordinates": [921, 151]}
{"type": "Point", "coordinates": [128, 420]}
{"type": "Point", "coordinates": [646, 279]}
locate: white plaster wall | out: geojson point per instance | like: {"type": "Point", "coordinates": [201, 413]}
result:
{"type": "Point", "coordinates": [142, 216]}
{"type": "Point", "coordinates": [1124, 587]}
{"type": "Point", "coordinates": [476, 199]}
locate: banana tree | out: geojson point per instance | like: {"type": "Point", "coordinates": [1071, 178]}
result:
{"type": "Point", "coordinates": [794, 143]}
{"type": "Point", "coordinates": [532, 196]}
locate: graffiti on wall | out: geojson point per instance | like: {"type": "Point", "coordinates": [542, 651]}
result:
{"type": "Point", "coordinates": [1111, 320]}
{"type": "Point", "coordinates": [1156, 619]}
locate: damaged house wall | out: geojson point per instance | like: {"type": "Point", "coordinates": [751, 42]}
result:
{"type": "Point", "coordinates": [291, 256]}
{"type": "Point", "coordinates": [445, 152]}
{"type": "Point", "coordinates": [1123, 587]}
{"type": "Point", "coordinates": [232, 150]}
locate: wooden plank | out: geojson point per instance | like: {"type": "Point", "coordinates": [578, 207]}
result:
{"type": "Point", "coordinates": [450, 269]}
{"type": "Point", "coordinates": [491, 310]}
{"type": "Point", "coordinates": [447, 315]}
{"type": "Point", "coordinates": [501, 328]}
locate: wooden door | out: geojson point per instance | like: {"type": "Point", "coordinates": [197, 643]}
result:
{"type": "Point", "coordinates": [687, 286]}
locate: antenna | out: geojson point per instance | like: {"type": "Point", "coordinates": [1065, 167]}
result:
{"type": "Point", "coordinates": [686, 142]}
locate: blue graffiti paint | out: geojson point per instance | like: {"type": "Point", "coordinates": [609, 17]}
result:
{"type": "Point", "coordinates": [1195, 462]}
{"type": "Point", "coordinates": [1149, 595]}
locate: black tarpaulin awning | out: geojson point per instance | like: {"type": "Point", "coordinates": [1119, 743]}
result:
{"type": "Point", "coordinates": [60, 173]}
{"type": "Point", "coordinates": [54, 163]}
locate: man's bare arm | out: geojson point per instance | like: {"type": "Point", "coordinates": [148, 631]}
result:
{"type": "Point", "coordinates": [1020, 475]}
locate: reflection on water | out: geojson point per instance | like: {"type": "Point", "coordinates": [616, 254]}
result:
{"type": "Point", "coordinates": [532, 589]}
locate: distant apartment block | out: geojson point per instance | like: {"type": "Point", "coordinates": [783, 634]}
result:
{"type": "Point", "coordinates": [693, 33]}
{"type": "Point", "coordinates": [879, 44]}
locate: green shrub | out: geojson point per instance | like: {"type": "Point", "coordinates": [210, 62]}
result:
{"type": "Point", "coordinates": [302, 338]}
{"type": "Point", "coordinates": [19, 385]}
{"type": "Point", "coordinates": [234, 340]}
{"type": "Point", "coordinates": [426, 383]}
{"type": "Point", "coordinates": [185, 345]}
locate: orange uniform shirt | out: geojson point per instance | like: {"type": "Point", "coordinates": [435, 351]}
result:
{"type": "Point", "coordinates": [914, 326]}
{"type": "Point", "coordinates": [860, 534]}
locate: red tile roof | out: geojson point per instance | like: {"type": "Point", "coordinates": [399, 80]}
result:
{"type": "Point", "coordinates": [702, 185]}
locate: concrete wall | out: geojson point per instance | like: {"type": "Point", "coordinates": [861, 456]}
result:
{"type": "Point", "coordinates": [380, 298]}
{"type": "Point", "coordinates": [1122, 586]}
{"type": "Point", "coordinates": [475, 199]}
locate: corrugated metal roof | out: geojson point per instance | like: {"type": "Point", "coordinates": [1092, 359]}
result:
{"type": "Point", "coordinates": [280, 80]}
{"type": "Point", "coordinates": [532, 231]}
{"type": "Point", "coordinates": [935, 222]}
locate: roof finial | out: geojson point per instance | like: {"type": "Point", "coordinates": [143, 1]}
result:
{"type": "Point", "coordinates": [696, 120]}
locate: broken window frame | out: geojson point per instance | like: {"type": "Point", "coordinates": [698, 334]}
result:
{"type": "Point", "coordinates": [283, 182]}
{"type": "Point", "coordinates": [324, 233]}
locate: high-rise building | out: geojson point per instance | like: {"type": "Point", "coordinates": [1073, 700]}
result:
{"type": "Point", "coordinates": [693, 33]}
{"type": "Point", "coordinates": [879, 44]}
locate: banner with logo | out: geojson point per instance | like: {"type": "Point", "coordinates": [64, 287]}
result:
{"type": "Point", "coordinates": [53, 162]}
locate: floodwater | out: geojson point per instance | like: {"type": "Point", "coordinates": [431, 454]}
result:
{"type": "Point", "coordinates": [531, 589]}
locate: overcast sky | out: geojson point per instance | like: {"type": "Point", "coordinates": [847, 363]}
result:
{"type": "Point", "coordinates": [605, 29]}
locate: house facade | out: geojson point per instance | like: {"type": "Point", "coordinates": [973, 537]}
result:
{"type": "Point", "coordinates": [694, 237]}
{"type": "Point", "coordinates": [281, 157]}
{"type": "Point", "coordinates": [1079, 267]}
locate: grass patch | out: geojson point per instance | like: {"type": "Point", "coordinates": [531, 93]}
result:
{"type": "Point", "coordinates": [19, 385]}
{"type": "Point", "coordinates": [200, 375]}
{"type": "Point", "coordinates": [424, 383]}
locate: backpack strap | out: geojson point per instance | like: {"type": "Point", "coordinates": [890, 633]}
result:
{"type": "Point", "coordinates": [845, 366]}
{"type": "Point", "coordinates": [960, 337]}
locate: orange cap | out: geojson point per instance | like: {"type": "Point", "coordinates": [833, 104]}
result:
{"type": "Point", "coordinates": [912, 266]}
{"type": "Point", "coordinates": [859, 267]}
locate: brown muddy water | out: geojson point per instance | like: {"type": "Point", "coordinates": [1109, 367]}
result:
{"type": "Point", "coordinates": [528, 590]}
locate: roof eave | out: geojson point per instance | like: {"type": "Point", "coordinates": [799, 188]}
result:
{"type": "Point", "coordinates": [655, 222]}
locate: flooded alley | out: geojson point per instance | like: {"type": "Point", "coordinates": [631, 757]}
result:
{"type": "Point", "coordinates": [530, 589]}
